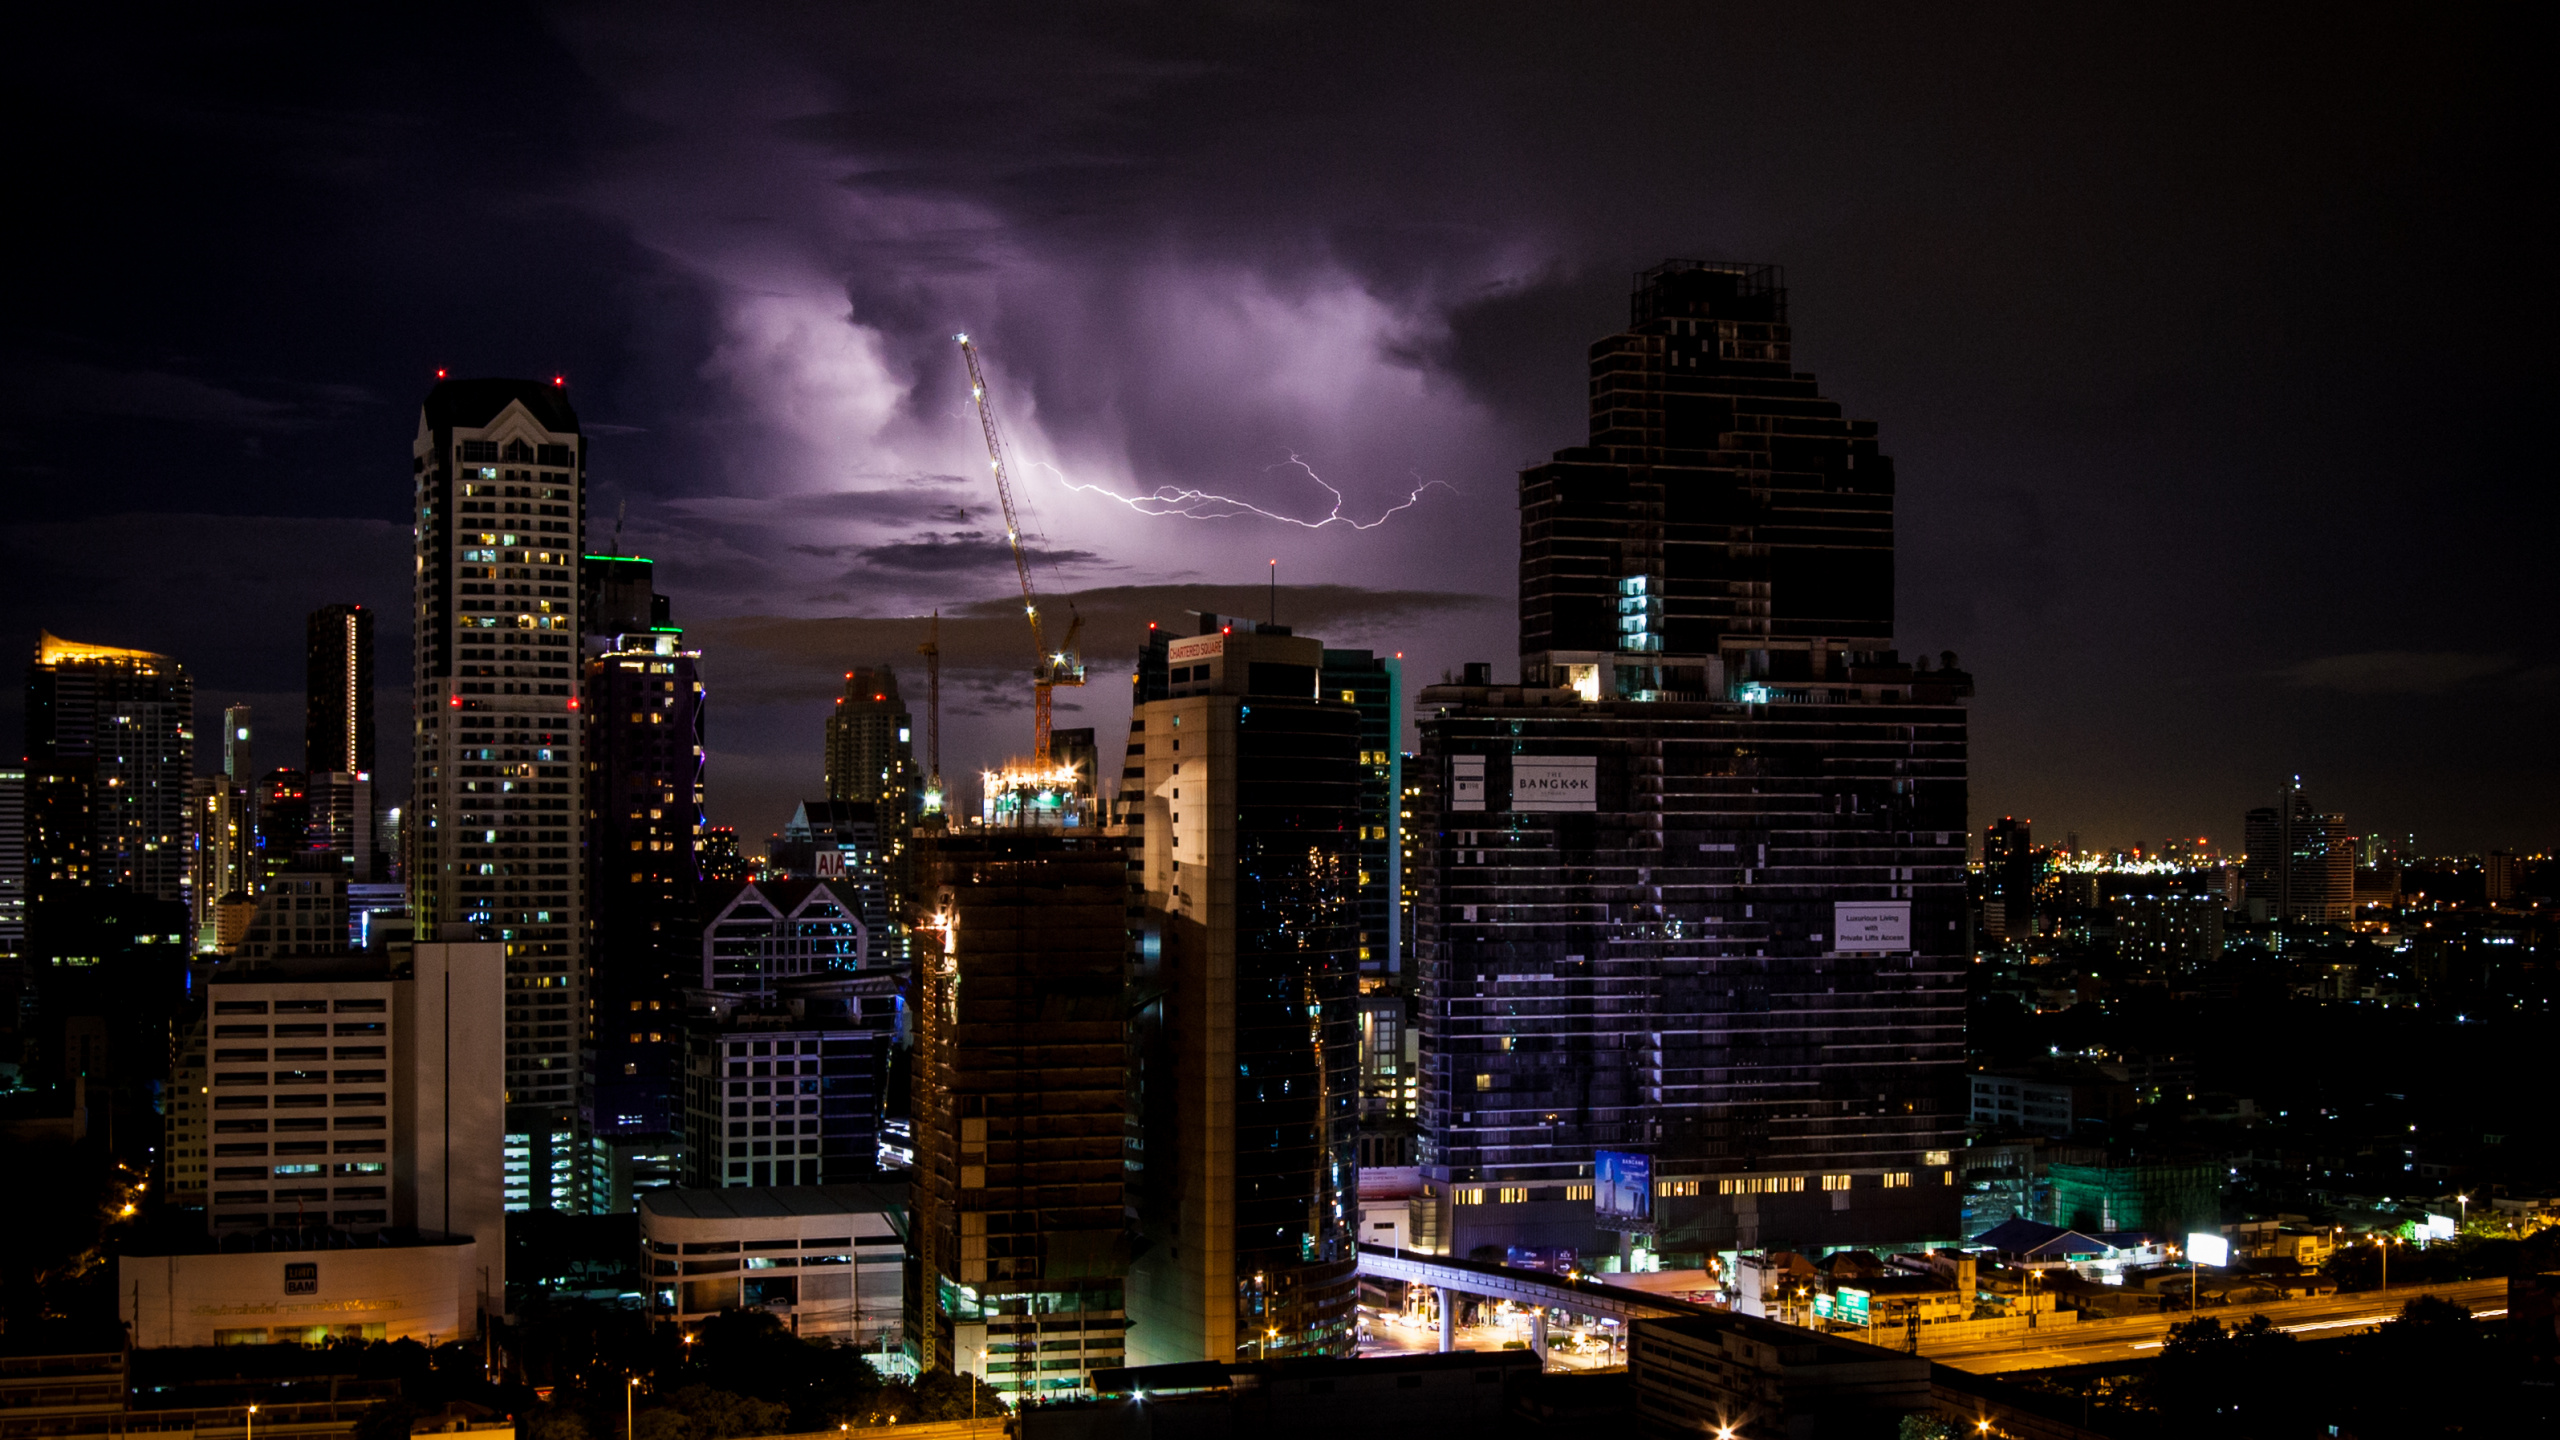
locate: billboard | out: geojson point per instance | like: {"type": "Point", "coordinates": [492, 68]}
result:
{"type": "Point", "coordinates": [1555, 782]}
{"type": "Point", "coordinates": [1848, 1307]}
{"type": "Point", "coordinates": [1196, 647]}
{"type": "Point", "coordinates": [2438, 1227]}
{"type": "Point", "coordinates": [1621, 1185]}
{"type": "Point", "coordinates": [1871, 925]}
{"type": "Point", "coordinates": [2207, 1249]}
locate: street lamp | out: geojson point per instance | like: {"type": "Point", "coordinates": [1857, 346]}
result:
{"type": "Point", "coordinates": [253, 1423]}
{"type": "Point", "coordinates": [630, 1387]}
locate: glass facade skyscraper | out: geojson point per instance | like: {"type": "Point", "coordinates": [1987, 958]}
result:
{"type": "Point", "coordinates": [1245, 814]}
{"type": "Point", "coordinates": [1695, 887]}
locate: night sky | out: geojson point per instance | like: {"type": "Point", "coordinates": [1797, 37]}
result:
{"type": "Point", "coordinates": [2211, 344]}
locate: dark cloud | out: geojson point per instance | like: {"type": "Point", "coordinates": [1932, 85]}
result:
{"type": "Point", "coordinates": [2133, 314]}
{"type": "Point", "coordinates": [962, 551]}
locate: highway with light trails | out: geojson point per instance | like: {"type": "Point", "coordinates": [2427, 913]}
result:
{"type": "Point", "coordinates": [2101, 1342]}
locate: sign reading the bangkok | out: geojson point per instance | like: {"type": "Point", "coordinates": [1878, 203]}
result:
{"type": "Point", "coordinates": [1621, 1185]}
{"type": "Point", "coordinates": [1555, 782]}
{"type": "Point", "coordinates": [1871, 925]}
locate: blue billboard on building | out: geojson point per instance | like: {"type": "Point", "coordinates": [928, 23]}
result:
{"type": "Point", "coordinates": [1622, 1185]}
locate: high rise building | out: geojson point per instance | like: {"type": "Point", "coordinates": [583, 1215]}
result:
{"type": "Point", "coordinates": [2300, 863]}
{"type": "Point", "coordinates": [280, 802]}
{"type": "Point", "coordinates": [1242, 798]}
{"type": "Point", "coordinates": [643, 704]}
{"type": "Point", "coordinates": [496, 808]}
{"type": "Point", "coordinates": [337, 710]}
{"type": "Point", "coordinates": [1695, 887]}
{"type": "Point", "coordinates": [786, 1038]}
{"type": "Point", "coordinates": [237, 745]}
{"type": "Point", "coordinates": [110, 756]}
{"type": "Point", "coordinates": [870, 751]}
{"type": "Point", "coordinates": [1022, 1170]}
{"type": "Point", "coordinates": [1725, 523]}
{"type": "Point", "coordinates": [13, 887]}
{"type": "Point", "coordinates": [1373, 685]}
{"type": "Point", "coordinates": [871, 763]}
{"type": "Point", "coordinates": [223, 843]}
{"type": "Point", "coordinates": [2010, 868]}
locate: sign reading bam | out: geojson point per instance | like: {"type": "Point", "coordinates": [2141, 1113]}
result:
{"type": "Point", "coordinates": [1555, 782]}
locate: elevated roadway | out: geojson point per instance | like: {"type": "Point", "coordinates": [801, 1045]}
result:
{"type": "Point", "coordinates": [2118, 1342]}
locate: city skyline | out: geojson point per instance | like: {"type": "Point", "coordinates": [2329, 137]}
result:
{"type": "Point", "coordinates": [2125, 360]}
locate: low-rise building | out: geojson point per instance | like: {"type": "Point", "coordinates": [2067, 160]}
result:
{"type": "Point", "coordinates": [306, 1287]}
{"type": "Point", "coordinates": [785, 1088]}
{"type": "Point", "coordinates": [354, 1107]}
{"type": "Point", "coordinates": [1738, 1375]}
{"type": "Point", "coordinates": [829, 1261]}
{"type": "Point", "coordinates": [2048, 1099]}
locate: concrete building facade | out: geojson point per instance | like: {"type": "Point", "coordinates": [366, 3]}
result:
{"type": "Point", "coordinates": [496, 819]}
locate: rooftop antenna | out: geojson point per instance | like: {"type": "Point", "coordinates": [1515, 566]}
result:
{"type": "Point", "coordinates": [1275, 594]}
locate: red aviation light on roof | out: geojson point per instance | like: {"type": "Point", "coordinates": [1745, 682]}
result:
{"type": "Point", "coordinates": [457, 702]}
{"type": "Point", "coordinates": [559, 379]}
{"type": "Point", "coordinates": [1226, 629]}
{"type": "Point", "coordinates": [439, 374]}
{"type": "Point", "coordinates": [573, 702]}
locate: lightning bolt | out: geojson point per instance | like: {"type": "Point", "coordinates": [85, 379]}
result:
{"type": "Point", "coordinates": [1193, 504]}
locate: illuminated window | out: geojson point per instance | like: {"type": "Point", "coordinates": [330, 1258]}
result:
{"type": "Point", "coordinates": [1762, 1185]}
{"type": "Point", "coordinates": [1577, 1192]}
{"type": "Point", "coordinates": [1934, 1157]}
{"type": "Point", "coordinates": [1468, 1195]}
{"type": "Point", "coordinates": [1511, 1195]}
{"type": "Point", "coordinates": [1898, 1180]}
{"type": "Point", "coordinates": [1676, 1188]}
{"type": "Point", "coordinates": [1835, 1182]}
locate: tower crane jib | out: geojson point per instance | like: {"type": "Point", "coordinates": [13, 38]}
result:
{"type": "Point", "coordinates": [1049, 668]}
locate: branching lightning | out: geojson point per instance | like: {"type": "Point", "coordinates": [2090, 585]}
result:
{"type": "Point", "coordinates": [1201, 505]}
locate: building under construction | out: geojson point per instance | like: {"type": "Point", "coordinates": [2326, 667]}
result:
{"type": "Point", "coordinates": [1021, 1093]}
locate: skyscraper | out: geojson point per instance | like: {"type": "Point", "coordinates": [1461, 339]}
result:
{"type": "Point", "coordinates": [1724, 524]}
{"type": "Point", "coordinates": [224, 853]}
{"type": "Point", "coordinates": [337, 708]}
{"type": "Point", "coordinates": [870, 753]}
{"type": "Point", "coordinates": [110, 754]}
{"type": "Point", "coordinates": [1244, 812]}
{"type": "Point", "coordinates": [2300, 863]}
{"type": "Point", "coordinates": [2009, 864]}
{"type": "Point", "coordinates": [1373, 685]}
{"type": "Point", "coordinates": [1694, 887]}
{"type": "Point", "coordinates": [1022, 1172]}
{"type": "Point", "coordinates": [643, 706]}
{"type": "Point", "coordinates": [497, 807]}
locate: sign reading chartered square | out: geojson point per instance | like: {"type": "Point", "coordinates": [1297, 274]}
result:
{"type": "Point", "coordinates": [1555, 782]}
{"type": "Point", "coordinates": [1871, 925]}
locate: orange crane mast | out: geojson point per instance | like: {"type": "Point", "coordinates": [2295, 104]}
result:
{"type": "Point", "coordinates": [1049, 668]}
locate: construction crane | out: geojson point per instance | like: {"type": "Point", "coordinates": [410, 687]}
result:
{"type": "Point", "coordinates": [1049, 668]}
{"type": "Point", "coordinates": [931, 650]}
